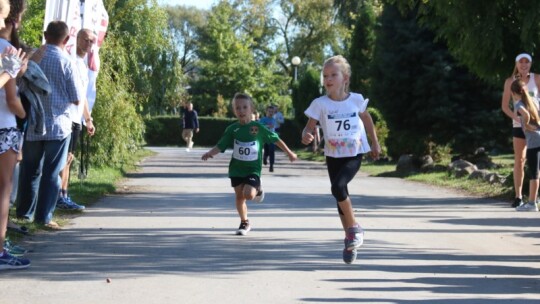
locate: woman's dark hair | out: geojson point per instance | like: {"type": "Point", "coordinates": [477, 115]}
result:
{"type": "Point", "coordinates": [17, 8]}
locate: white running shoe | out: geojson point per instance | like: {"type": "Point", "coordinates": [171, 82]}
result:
{"type": "Point", "coordinates": [260, 196]}
{"type": "Point", "coordinates": [530, 206]}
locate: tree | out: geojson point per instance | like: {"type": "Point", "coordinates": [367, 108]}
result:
{"type": "Point", "coordinates": [361, 46]}
{"type": "Point", "coordinates": [484, 35]}
{"type": "Point", "coordinates": [427, 99]}
{"type": "Point", "coordinates": [185, 24]}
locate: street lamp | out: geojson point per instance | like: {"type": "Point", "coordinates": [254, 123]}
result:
{"type": "Point", "coordinates": [295, 62]}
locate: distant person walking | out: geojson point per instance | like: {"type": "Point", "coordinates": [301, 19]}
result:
{"type": "Point", "coordinates": [527, 110]}
{"type": "Point", "coordinates": [190, 125]}
{"type": "Point", "coordinates": [344, 119]}
{"type": "Point", "coordinates": [246, 137]}
{"type": "Point", "coordinates": [522, 71]}
{"type": "Point", "coordinates": [269, 149]}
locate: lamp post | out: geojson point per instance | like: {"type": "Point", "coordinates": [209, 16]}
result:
{"type": "Point", "coordinates": [295, 62]}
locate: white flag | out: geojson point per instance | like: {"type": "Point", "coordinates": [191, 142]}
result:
{"type": "Point", "coordinates": [68, 11]}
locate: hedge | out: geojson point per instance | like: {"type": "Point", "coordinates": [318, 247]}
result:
{"type": "Point", "coordinates": [167, 131]}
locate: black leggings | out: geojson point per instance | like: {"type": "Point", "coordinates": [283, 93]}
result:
{"type": "Point", "coordinates": [533, 162]}
{"type": "Point", "coordinates": [341, 172]}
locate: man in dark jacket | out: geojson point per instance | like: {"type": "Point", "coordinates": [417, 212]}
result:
{"type": "Point", "coordinates": [190, 124]}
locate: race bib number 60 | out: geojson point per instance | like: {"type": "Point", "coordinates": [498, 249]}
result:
{"type": "Point", "coordinates": [246, 151]}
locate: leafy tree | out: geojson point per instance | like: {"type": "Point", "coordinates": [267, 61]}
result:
{"type": "Point", "coordinates": [185, 24]}
{"type": "Point", "coordinates": [32, 30]}
{"type": "Point", "coordinates": [361, 46]}
{"type": "Point", "coordinates": [484, 35]}
{"type": "Point", "coordinates": [427, 99]}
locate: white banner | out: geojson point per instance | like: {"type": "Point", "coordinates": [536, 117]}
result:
{"type": "Point", "coordinates": [68, 11]}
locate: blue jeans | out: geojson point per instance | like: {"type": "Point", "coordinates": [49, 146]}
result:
{"type": "Point", "coordinates": [39, 179]}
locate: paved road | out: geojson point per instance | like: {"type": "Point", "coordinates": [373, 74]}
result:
{"type": "Point", "coordinates": [167, 237]}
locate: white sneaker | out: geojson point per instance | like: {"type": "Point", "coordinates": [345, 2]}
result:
{"type": "Point", "coordinates": [260, 197]}
{"type": "Point", "coordinates": [187, 149]}
{"type": "Point", "coordinates": [530, 206]}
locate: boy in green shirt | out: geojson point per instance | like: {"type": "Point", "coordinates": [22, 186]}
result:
{"type": "Point", "coordinates": [246, 138]}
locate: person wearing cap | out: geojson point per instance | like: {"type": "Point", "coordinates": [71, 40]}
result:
{"type": "Point", "coordinates": [522, 71]}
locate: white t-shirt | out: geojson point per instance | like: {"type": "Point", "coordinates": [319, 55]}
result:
{"type": "Point", "coordinates": [7, 118]}
{"type": "Point", "coordinates": [343, 130]}
{"type": "Point", "coordinates": [82, 72]}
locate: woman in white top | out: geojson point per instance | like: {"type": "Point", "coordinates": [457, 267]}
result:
{"type": "Point", "coordinates": [345, 121]}
{"type": "Point", "coordinates": [10, 136]}
{"type": "Point", "coordinates": [521, 71]}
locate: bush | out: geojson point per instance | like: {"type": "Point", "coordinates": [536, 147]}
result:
{"type": "Point", "coordinates": [167, 131]}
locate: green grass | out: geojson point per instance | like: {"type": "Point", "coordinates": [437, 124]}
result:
{"type": "Point", "coordinates": [440, 178]}
{"type": "Point", "coordinates": [98, 183]}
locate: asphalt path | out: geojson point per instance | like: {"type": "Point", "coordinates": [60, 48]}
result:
{"type": "Point", "coordinates": [167, 236]}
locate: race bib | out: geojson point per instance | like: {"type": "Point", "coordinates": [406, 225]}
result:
{"type": "Point", "coordinates": [342, 125]}
{"type": "Point", "coordinates": [246, 151]}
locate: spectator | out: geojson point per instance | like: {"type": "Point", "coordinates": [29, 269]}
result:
{"type": "Point", "coordinates": [85, 41]}
{"type": "Point", "coordinates": [10, 135]}
{"type": "Point", "coordinates": [44, 155]}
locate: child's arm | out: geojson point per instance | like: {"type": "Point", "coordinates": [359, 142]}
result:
{"type": "Point", "coordinates": [215, 150]}
{"type": "Point", "coordinates": [14, 102]}
{"type": "Point", "coordinates": [372, 134]}
{"type": "Point", "coordinates": [309, 130]}
{"type": "Point", "coordinates": [527, 119]}
{"type": "Point", "coordinates": [292, 156]}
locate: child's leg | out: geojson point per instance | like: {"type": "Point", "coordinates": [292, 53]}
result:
{"type": "Point", "coordinates": [241, 206]}
{"type": "Point", "coordinates": [272, 153]}
{"type": "Point", "coordinates": [341, 172]}
{"type": "Point", "coordinates": [533, 190]}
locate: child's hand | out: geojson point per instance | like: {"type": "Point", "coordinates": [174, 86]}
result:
{"type": "Point", "coordinates": [292, 156]}
{"type": "Point", "coordinates": [307, 138]}
{"type": "Point", "coordinates": [206, 156]}
{"type": "Point", "coordinates": [375, 150]}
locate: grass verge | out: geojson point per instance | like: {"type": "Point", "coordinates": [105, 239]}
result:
{"type": "Point", "coordinates": [441, 178]}
{"type": "Point", "coordinates": [87, 191]}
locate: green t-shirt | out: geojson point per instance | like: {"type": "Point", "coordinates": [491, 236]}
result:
{"type": "Point", "coordinates": [247, 143]}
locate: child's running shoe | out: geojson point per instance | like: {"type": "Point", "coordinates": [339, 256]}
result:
{"type": "Point", "coordinates": [354, 237]}
{"type": "Point", "coordinates": [260, 196]}
{"type": "Point", "coordinates": [8, 261]}
{"type": "Point", "coordinates": [530, 206]}
{"type": "Point", "coordinates": [244, 228]}
{"type": "Point", "coordinates": [349, 256]}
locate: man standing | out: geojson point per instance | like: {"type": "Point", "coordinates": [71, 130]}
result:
{"type": "Point", "coordinates": [45, 154]}
{"type": "Point", "coordinates": [190, 123]}
{"type": "Point", "coordinates": [85, 41]}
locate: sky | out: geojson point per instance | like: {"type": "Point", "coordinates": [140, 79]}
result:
{"type": "Point", "coordinates": [202, 4]}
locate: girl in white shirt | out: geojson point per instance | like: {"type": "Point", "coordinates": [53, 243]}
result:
{"type": "Point", "coordinates": [10, 136]}
{"type": "Point", "coordinates": [345, 121]}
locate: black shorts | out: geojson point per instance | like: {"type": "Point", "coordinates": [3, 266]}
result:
{"type": "Point", "coordinates": [252, 180]}
{"type": "Point", "coordinates": [518, 132]}
{"type": "Point", "coordinates": [75, 134]}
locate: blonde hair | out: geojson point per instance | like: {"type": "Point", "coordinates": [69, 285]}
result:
{"type": "Point", "coordinates": [343, 66]}
{"type": "Point", "coordinates": [243, 96]}
{"type": "Point", "coordinates": [519, 87]}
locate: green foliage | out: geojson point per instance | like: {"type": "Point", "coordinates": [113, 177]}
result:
{"type": "Point", "coordinates": [361, 47]}
{"type": "Point", "coordinates": [484, 35]}
{"type": "Point", "coordinates": [32, 31]}
{"type": "Point", "coordinates": [152, 62]}
{"type": "Point", "coordinates": [120, 129]}
{"type": "Point", "coordinates": [381, 127]}
{"type": "Point", "coordinates": [426, 98]}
